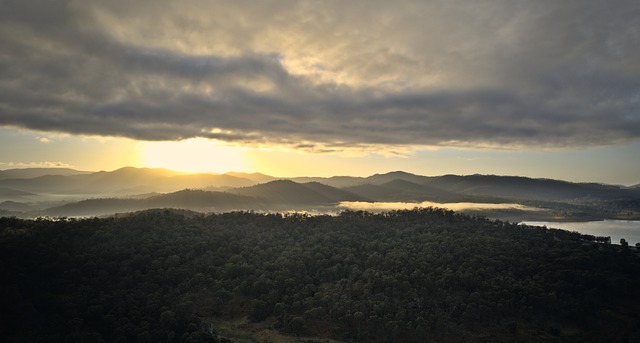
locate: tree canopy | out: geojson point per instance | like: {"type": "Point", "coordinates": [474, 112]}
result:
{"type": "Point", "coordinates": [403, 276]}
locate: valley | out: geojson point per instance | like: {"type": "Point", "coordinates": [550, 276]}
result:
{"type": "Point", "coordinates": [31, 193]}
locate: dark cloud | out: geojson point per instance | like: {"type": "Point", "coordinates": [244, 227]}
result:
{"type": "Point", "coordinates": [312, 75]}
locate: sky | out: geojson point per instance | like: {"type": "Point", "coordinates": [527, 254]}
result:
{"type": "Point", "coordinates": [318, 88]}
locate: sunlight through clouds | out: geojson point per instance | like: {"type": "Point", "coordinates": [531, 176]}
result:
{"type": "Point", "coordinates": [370, 85]}
{"type": "Point", "coordinates": [193, 155]}
{"type": "Point", "coordinates": [462, 74]}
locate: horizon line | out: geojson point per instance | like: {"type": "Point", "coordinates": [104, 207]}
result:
{"type": "Point", "coordinates": [364, 176]}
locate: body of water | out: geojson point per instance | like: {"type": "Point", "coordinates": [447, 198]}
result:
{"type": "Point", "coordinates": [616, 229]}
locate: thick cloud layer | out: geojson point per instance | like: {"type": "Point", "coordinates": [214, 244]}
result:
{"type": "Point", "coordinates": [326, 74]}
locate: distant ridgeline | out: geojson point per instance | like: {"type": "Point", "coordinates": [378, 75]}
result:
{"type": "Point", "coordinates": [403, 276]}
{"type": "Point", "coordinates": [30, 193]}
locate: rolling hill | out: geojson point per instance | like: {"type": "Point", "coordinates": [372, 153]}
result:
{"type": "Point", "coordinates": [14, 206]}
{"type": "Point", "coordinates": [122, 181]}
{"type": "Point", "coordinates": [29, 173]}
{"type": "Point", "coordinates": [274, 195]}
{"type": "Point", "coordinates": [13, 192]}
{"type": "Point", "coordinates": [119, 190]}
{"type": "Point", "coordinates": [522, 188]}
{"type": "Point", "coordinates": [378, 179]}
{"type": "Point", "coordinates": [334, 181]}
{"type": "Point", "coordinates": [186, 199]}
{"type": "Point", "coordinates": [403, 191]}
{"type": "Point", "coordinates": [289, 192]}
{"type": "Point", "coordinates": [255, 177]}
{"type": "Point", "coordinates": [9, 194]}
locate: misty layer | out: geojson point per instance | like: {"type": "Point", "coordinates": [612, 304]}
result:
{"type": "Point", "coordinates": [461, 206]}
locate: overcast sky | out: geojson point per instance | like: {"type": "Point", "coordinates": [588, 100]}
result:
{"type": "Point", "coordinates": [328, 78]}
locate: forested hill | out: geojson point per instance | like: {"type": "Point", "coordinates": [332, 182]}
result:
{"type": "Point", "coordinates": [408, 276]}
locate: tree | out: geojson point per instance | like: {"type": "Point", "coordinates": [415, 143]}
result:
{"type": "Point", "coordinates": [296, 325]}
{"type": "Point", "coordinates": [168, 319]}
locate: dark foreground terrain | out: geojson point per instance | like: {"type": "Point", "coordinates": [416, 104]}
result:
{"type": "Point", "coordinates": [407, 276]}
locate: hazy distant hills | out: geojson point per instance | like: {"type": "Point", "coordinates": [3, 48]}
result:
{"type": "Point", "coordinates": [122, 181]}
{"type": "Point", "coordinates": [376, 179]}
{"type": "Point", "coordinates": [29, 173]}
{"type": "Point", "coordinates": [61, 192]}
{"type": "Point", "coordinates": [402, 190]}
{"type": "Point", "coordinates": [402, 186]}
{"type": "Point", "coordinates": [334, 181]}
{"type": "Point", "coordinates": [186, 199]}
{"type": "Point", "coordinates": [256, 177]}
{"type": "Point", "coordinates": [405, 186]}
{"type": "Point", "coordinates": [13, 192]}
{"type": "Point", "coordinates": [511, 187]}
{"type": "Point", "coordinates": [273, 195]}
{"type": "Point", "coordinates": [289, 192]}
{"type": "Point", "coordinates": [14, 206]}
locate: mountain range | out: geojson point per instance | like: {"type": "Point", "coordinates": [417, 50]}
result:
{"type": "Point", "coordinates": [29, 173]}
{"type": "Point", "coordinates": [126, 180]}
{"type": "Point", "coordinates": [66, 192]}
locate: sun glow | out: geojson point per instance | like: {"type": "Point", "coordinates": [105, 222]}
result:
{"type": "Point", "coordinates": [196, 155]}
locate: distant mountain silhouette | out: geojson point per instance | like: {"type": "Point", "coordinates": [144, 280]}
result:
{"type": "Point", "coordinates": [378, 179]}
{"type": "Point", "coordinates": [126, 180]}
{"type": "Point", "coordinates": [401, 190]}
{"type": "Point", "coordinates": [334, 181]}
{"type": "Point", "coordinates": [130, 189]}
{"type": "Point", "coordinates": [374, 192]}
{"type": "Point", "coordinates": [333, 194]}
{"type": "Point", "coordinates": [29, 173]}
{"type": "Point", "coordinates": [403, 185]}
{"type": "Point", "coordinates": [289, 192]}
{"type": "Point", "coordinates": [274, 195]}
{"type": "Point", "coordinates": [256, 177]}
{"type": "Point", "coordinates": [186, 199]}
{"type": "Point", "coordinates": [11, 192]}
{"type": "Point", "coordinates": [14, 206]}
{"type": "Point", "coordinates": [514, 187]}
{"type": "Point", "coordinates": [206, 180]}
{"type": "Point", "coordinates": [190, 199]}
{"type": "Point", "coordinates": [95, 207]}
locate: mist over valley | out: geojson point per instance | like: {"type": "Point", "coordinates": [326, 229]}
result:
{"type": "Point", "coordinates": [31, 193]}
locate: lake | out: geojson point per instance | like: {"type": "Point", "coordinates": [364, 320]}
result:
{"type": "Point", "coordinates": [616, 229]}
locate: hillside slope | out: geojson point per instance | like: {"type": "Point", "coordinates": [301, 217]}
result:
{"type": "Point", "coordinates": [407, 276]}
{"type": "Point", "coordinates": [289, 192]}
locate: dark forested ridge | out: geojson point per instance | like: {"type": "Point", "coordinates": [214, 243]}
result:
{"type": "Point", "coordinates": [406, 276]}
